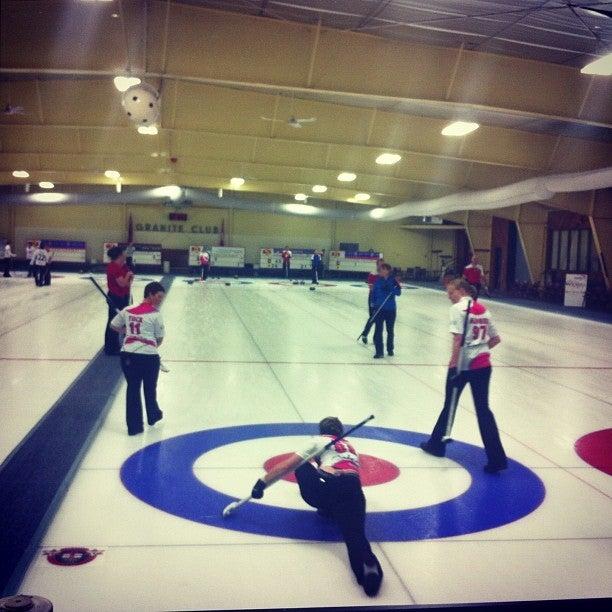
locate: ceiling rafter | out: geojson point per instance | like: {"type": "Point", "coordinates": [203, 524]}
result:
{"type": "Point", "coordinates": [444, 13]}
{"type": "Point", "coordinates": [292, 141]}
{"type": "Point", "coordinates": [222, 86]}
{"type": "Point", "coordinates": [305, 93]}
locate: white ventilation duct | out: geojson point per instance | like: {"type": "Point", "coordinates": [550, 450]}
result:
{"type": "Point", "coordinates": [531, 190]}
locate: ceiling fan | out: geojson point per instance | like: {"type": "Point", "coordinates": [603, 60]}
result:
{"type": "Point", "coordinates": [7, 109]}
{"type": "Point", "coordinates": [292, 121]}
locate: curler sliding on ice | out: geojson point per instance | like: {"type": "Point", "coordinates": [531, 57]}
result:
{"type": "Point", "coordinates": [333, 487]}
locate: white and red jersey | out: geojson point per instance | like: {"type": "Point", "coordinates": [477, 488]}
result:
{"type": "Point", "coordinates": [204, 258]}
{"type": "Point", "coordinates": [340, 455]}
{"type": "Point", "coordinates": [480, 329]}
{"type": "Point", "coordinates": [144, 326]}
{"type": "Point", "coordinates": [286, 255]}
{"type": "Point", "coordinates": [473, 273]}
{"type": "Point", "coordinates": [40, 257]}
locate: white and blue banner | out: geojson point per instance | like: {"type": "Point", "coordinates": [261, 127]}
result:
{"type": "Point", "coordinates": [72, 251]}
{"type": "Point", "coordinates": [144, 254]}
{"type": "Point", "coordinates": [358, 261]}
{"type": "Point", "coordinates": [227, 257]}
{"type": "Point", "coordinates": [271, 258]}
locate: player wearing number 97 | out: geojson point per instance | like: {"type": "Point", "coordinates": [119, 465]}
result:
{"type": "Point", "coordinates": [473, 367]}
{"type": "Point", "coordinates": [143, 327]}
{"type": "Point", "coordinates": [333, 487]}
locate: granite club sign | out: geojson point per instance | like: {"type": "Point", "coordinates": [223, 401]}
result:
{"type": "Point", "coordinates": [177, 228]}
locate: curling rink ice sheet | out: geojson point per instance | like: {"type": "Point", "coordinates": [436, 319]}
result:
{"type": "Point", "coordinates": [252, 368]}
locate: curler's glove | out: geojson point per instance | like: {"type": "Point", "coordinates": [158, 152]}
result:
{"type": "Point", "coordinates": [258, 489]}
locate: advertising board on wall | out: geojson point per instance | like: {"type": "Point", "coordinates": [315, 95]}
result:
{"type": "Point", "coordinates": [271, 258]}
{"type": "Point", "coordinates": [575, 289]}
{"type": "Point", "coordinates": [67, 251]}
{"type": "Point", "coordinates": [358, 261]}
{"type": "Point", "coordinates": [144, 254]}
{"type": "Point", "coordinates": [227, 257]}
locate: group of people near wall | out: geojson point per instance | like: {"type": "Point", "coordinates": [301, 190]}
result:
{"type": "Point", "coordinates": [38, 259]}
{"type": "Point", "coordinates": [316, 264]}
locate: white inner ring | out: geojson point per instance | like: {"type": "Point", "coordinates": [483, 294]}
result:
{"type": "Point", "coordinates": [423, 480]}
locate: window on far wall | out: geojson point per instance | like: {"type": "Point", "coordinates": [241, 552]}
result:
{"type": "Point", "coordinates": [572, 251]}
{"type": "Point", "coordinates": [563, 250]}
{"type": "Point", "coordinates": [554, 255]}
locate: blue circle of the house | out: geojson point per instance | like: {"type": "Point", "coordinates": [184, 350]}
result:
{"type": "Point", "coordinates": [162, 475]}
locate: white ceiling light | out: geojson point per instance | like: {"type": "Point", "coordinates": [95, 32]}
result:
{"type": "Point", "coordinates": [319, 188]}
{"type": "Point", "coordinates": [347, 177]}
{"type": "Point", "coordinates": [123, 83]}
{"type": "Point", "coordinates": [151, 130]}
{"type": "Point", "coordinates": [46, 185]}
{"type": "Point", "coordinates": [237, 181]}
{"type": "Point", "coordinates": [20, 174]}
{"type": "Point", "coordinates": [300, 197]}
{"type": "Point", "coordinates": [300, 209]}
{"type": "Point", "coordinates": [112, 174]}
{"type": "Point", "coordinates": [361, 197]}
{"type": "Point", "coordinates": [388, 159]}
{"type": "Point", "coordinates": [601, 66]}
{"type": "Point", "coordinates": [49, 197]}
{"type": "Point", "coordinates": [377, 213]}
{"type": "Point", "coordinates": [460, 128]}
{"type": "Point", "coordinates": [169, 191]}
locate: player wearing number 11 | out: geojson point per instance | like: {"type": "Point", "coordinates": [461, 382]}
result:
{"type": "Point", "coordinates": [143, 327]}
{"type": "Point", "coordinates": [470, 362]}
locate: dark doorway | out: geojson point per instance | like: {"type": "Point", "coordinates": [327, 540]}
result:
{"type": "Point", "coordinates": [462, 251]}
{"type": "Point", "coordinates": [496, 264]}
{"type": "Point", "coordinates": [499, 253]}
{"type": "Point", "coordinates": [513, 245]}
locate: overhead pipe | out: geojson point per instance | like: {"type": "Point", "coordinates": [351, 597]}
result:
{"type": "Point", "coordinates": [531, 190]}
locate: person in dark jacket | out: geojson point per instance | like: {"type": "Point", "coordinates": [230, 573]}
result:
{"type": "Point", "coordinates": [315, 264]}
{"type": "Point", "coordinates": [119, 279]}
{"type": "Point", "coordinates": [384, 291]}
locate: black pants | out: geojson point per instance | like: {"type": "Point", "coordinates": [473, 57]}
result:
{"type": "Point", "coordinates": [286, 268]}
{"type": "Point", "coordinates": [315, 276]}
{"type": "Point", "coordinates": [40, 273]}
{"type": "Point", "coordinates": [386, 318]}
{"type": "Point", "coordinates": [112, 346]}
{"type": "Point", "coordinates": [369, 322]}
{"type": "Point", "coordinates": [204, 270]}
{"type": "Point", "coordinates": [341, 498]}
{"type": "Point", "coordinates": [46, 280]}
{"type": "Point", "coordinates": [7, 267]}
{"type": "Point", "coordinates": [140, 371]}
{"type": "Point", "coordinates": [479, 384]}
{"type": "Point", "coordinates": [31, 270]}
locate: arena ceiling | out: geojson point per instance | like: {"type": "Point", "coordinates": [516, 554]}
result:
{"type": "Point", "coordinates": [371, 88]}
